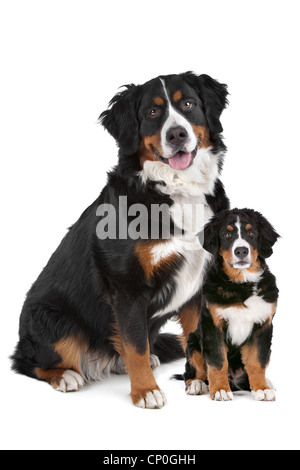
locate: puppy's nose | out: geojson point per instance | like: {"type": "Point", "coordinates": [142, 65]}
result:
{"type": "Point", "coordinates": [241, 252]}
{"type": "Point", "coordinates": [177, 136]}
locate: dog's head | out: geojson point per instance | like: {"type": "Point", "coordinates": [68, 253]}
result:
{"type": "Point", "coordinates": [167, 119]}
{"type": "Point", "coordinates": [242, 237]}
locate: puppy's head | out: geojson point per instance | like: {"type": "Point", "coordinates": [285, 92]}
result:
{"type": "Point", "coordinates": [167, 119]}
{"type": "Point", "coordinates": [242, 237]}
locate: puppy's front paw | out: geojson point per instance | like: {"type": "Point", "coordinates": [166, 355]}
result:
{"type": "Point", "coordinates": [153, 399]}
{"type": "Point", "coordinates": [196, 387]}
{"type": "Point", "coordinates": [264, 395]}
{"type": "Point", "coordinates": [222, 395]}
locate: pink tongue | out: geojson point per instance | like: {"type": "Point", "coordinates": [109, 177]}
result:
{"type": "Point", "coordinates": [180, 160]}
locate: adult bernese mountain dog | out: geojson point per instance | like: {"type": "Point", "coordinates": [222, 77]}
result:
{"type": "Point", "coordinates": [99, 304]}
{"type": "Point", "coordinates": [231, 346]}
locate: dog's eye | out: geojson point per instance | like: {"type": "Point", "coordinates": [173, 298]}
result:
{"type": "Point", "coordinates": [187, 105]}
{"type": "Point", "coordinates": [227, 235]}
{"type": "Point", "coordinates": [153, 112]}
{"type": "Point", "coordinates": [251, 234]}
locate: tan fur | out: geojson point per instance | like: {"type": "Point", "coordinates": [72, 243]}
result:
{"type": "Point", "coordinates": [146, 151]}
{"type": "Point", "coordinates": [140, 372]}
{"type": "Point", "coordinates": [52, 376]}
{"type": "Point", "coordinates": [188, 318]}
{"type": "Point", "coordinates": [257, 374]}
{"type": "Point", "coordinates": [236, 275]}
{"type": "Point", "coordinates": [70, 350]}
{"type": "Point", "coordinates": [177, 96]}
{"type": "Point", "coordinates": [218, 378]}
{"type": "Point", "coordinates": [202, 133]}
{"type": "Point", "coordinates": [158, 101]}
{"type": "Point", "coordinates": [144, 253]}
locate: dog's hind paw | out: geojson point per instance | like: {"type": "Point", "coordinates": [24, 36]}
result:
{"type": "Point", "coordinates": [70, 381]}
{"type": "Point", "coordinates": [154, 361]}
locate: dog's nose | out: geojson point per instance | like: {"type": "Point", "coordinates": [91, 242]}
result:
{"type": "Point", "coordinates": [177, 136]}
{"type": "Point", "coordinates": [241, 252]}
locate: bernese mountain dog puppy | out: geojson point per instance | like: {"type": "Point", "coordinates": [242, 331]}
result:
{"type": "Point", "coordinates": [122, 271]}
{"type": "Point", "coordinates": [231, 346]}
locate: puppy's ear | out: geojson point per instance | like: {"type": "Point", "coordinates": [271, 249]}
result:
{"type": "Point", "coordinates": [121, 120]}
{"type": "Point", "coordinates": [214, 97]}
{"type": "Point", "coordinates": [210, 237]}
{"type": "Point", "coordinates": [267, 236]}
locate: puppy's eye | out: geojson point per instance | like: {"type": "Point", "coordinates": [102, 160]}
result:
{"type": "Point", "coordinates": [251, 234]}
{"type": "Point", "coordinates": [227, 235]}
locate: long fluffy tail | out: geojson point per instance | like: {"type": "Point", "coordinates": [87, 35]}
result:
{"type": "Point", "coordinates": [168, 348]}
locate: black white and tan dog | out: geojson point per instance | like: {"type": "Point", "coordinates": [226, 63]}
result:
{"type": "Point", "coordinates": [99, 304]}
{"type": "Point", "coordinates": [231, 346]}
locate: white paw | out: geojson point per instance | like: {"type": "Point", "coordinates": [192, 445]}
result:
{"type": "Point", "coordinates": [154, 361]}
{"type": "Point", "coordinates": [71, 381]}
{"type": "Point", "coordinates": [196, 387]}
{"type": "Point", "coordinates": [222, 395]}
{"type": "Point", "coordinates": [264, 395]}
{"type": "Point", "coordinates": [153, 399]}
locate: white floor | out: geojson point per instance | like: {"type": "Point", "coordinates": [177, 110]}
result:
{"type": "Point", "coordinates": [101, 416]}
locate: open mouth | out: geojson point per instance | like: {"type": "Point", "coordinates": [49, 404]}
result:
{"type": "Point", "coordinates": [180, 160]}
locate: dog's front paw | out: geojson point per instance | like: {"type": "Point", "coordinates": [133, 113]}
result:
{"type": "Point", "coordinates": [222, 395]}
{"type": "Point", "coordinates": [152, 399]}
{"type": "Point", "coordinates": [196, 387]}
{"type": "Point", "coordinates": [264, 395]}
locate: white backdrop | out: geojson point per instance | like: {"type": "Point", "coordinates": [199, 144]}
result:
{"type": "Point", "coordinates": [61, 62]}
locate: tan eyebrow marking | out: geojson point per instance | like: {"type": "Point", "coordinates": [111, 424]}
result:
{"type": "Point", "coordinates": [248, 226]}
{"type": "Point", "coordinates": [177, 96]}
{"type": "Point", "coordinates": [158, 100]}
{"type": "Point", "coordinates": [230, 228]}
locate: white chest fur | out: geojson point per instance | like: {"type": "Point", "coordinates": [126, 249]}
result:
{"type": "Point", "coordinates": [189, 278]}
{"type": "Point", "coordinates": [241, 319]}
{"type": "Point", "coordinates": [190, 212]}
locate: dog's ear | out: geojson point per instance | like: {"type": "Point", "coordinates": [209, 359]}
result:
{"type": "Point", "coordinates": [214, 97]}
{"type": "Point", "coordinates": [267, 236]}
{"type": "Point", "coordinates": [121, 120]}
{"type": "Point", "coordinates": [210, 237]}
